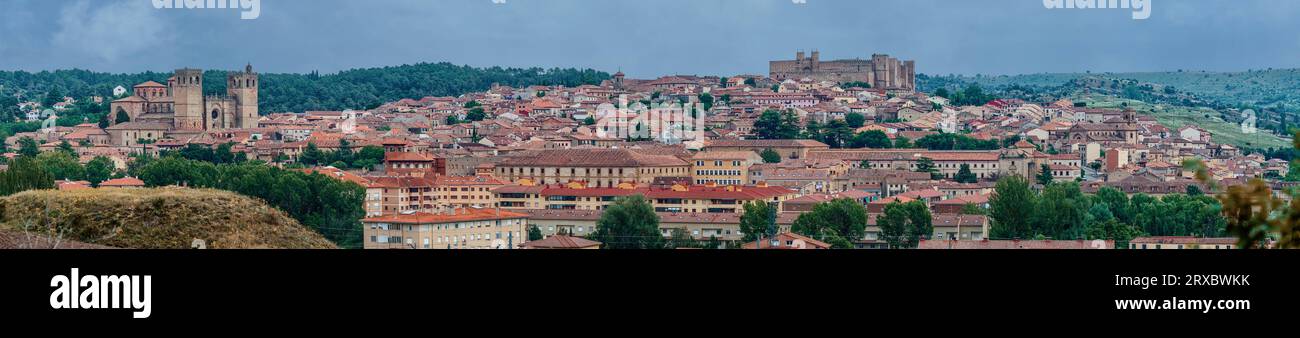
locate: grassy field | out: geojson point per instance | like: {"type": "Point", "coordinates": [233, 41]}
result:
{"type": "Point", "coordinates": [1176, 117]}
{"type": "Point", "coordinates": [162, 218]}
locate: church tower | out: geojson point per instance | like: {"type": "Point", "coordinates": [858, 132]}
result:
{"type": "Point", "coordinates": [242, 88]}
{"type": "Point", "coordinates": [187, 93]}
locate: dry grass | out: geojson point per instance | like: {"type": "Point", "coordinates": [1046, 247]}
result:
{"type": "Point", "coordinates": [163, 218]}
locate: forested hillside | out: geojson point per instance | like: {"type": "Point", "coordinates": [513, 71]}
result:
{"type": "Point", "coordinates": [351, 89]}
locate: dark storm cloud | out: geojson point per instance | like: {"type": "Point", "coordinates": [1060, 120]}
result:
{"type": "Point", "coordinates": [648, 38]}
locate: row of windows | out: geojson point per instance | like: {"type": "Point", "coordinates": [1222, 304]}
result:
{"type": "Point", "coordinates": [717, 173]}
{"type": "Point", "coordinates": [596, 171]}
{"type": "Point", "coordinates": [446, 226]}
{"type": "Point", "coordinates": [719, 182]}
{"type": "Point", "coordinates": [717, 163]}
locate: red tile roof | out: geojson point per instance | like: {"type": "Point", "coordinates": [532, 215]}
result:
{"type": "Point", "coordinates": [123, 182]}
{"type": "Point", "coordinates": [560, 242]}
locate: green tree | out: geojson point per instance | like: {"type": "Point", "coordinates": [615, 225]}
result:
{"type": "Point", "coordinates": [476, 114]}
{"type": "Point", "coordinates": [971, 209]}
{"type": "Point", "coordinates": [757, 220]}
{"type": "Point", "coordinates": [99, 169]}
{"type": "Point", "coordinates": [1045, 175]}
{"type": "Point", "coordinates": [55, 95]}
{"type": "Point", "coordinates": [311, 156]}
{"type": "Point", "coordinates": [1061, 212]}
{"type": "Point", "coordinates": [1011, 209]}
{"type": "Point", "coordinates": [1117, 203]}
{"type": "Point", "coordinates": [855, 120]}
{"type": "Point", "coordinates": [838, 222]}
{"type": "Point", "coordinates": [1112, 229]}
{"type": "Point", "coordinates": [23, 174]}
{"type": "Point", "coordinates": [680, 239]}
{"type": "Point", "coordinates": [902, 142]}
{"type": "Point", "coordinates": [836, 134]}
{"type": "Point", "coordinates": [770, 156]}
{"type": "Point", "coordinates": [28, 147]}
{"type": "Point", "coordinates": [707, 100]}
{"type": "Point", "coordinates": [534, 233]}
{"type": "Point", "coordinates": [62, 165]}
{"type": "Point", "coordinates": [329, 206]}
{"type": "Point", "coordinates": [902, 225]}
{"type": "Point", "coordinates": [589, 121]}
{"type": "Point", "coordinates": [874, 139]}
{"type": "Point", "coordinates": [964, 175]}
{"type": "Point", "coordinates": [926, 165]}
{"type": "Point", "coordinates": [121, 117]}
{"type": "Point", "coordinates": [629, 223]}
{"type": "Point", "coordinates": [777, 125]}
{"type": "Point", "coordinates": [66, 147]}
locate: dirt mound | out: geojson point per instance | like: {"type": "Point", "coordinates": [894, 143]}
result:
{"type": "Point", "coordinates": [164, 218]}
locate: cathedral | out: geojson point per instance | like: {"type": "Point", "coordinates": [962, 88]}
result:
{"type": "Point", "coordinates": [1123, 129]}
{"type": "Point", "coordinates": [155, 111]}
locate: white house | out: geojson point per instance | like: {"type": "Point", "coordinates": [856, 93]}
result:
{"type": "Point", "coordinates": [1193, 133]}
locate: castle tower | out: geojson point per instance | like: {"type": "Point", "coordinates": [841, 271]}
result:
{"type": "Point", "coordinates": [187, 92]}
{"type": "Point", "coordinates": [242, 88]}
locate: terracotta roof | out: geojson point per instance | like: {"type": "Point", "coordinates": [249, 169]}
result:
{"type": "Point", "coordinates": [590, 158]}
{"type": "Point", "coordinates": [560, 242]}
{"type": "Point", "coordinates": [768, 143]}
{"type": "Point", "coordinates": [123, 182]}
{"type": "Point", "coordinates": [1183, 240]}
{"type": "Point", "coordinates": [407, 157]}
{"type": "Point", "coordinates": [725, 155]}
{"type": "Point", "coordinates": [789, 236]}
{"type": "Point", "coordinates": [1017, 244]}
{"type": "Point", "coordinates": [467, 180]}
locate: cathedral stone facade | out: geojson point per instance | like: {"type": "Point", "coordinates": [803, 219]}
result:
{"type": "Point", "coordinates": [155, 111]}
{"type": "Point", "coordinates": [881, 71]}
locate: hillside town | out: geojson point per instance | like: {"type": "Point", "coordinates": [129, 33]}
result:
{"type": "Point", "coordinates": [491, 169]}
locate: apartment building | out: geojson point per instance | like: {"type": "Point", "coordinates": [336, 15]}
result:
{"type": "Point", "coordinates": [466, 191]}
{"type": "Point", "coordinates": [677, 198]}
{"type": "Point", "coordinates": [1183, 243]}
{"type": "Point", "coordinates": [387, 195]}
{"type": "Point", "coordinates": [723, 167]}
{"type": "Point", "coordinates": [596, 168]}
{"type": "Point", "coordinates": [788, 149]}
{"type": "Point", "coordinates": [700, 226]}
{"type": "Point", "coordinates": [455, 229]}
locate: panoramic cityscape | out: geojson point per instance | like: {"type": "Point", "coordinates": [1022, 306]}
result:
{"type": "Point", "coordinates": [870, 149]}
{"type": "Point", "coordinates": [427, 164]}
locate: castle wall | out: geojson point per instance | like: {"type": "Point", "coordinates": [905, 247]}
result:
{"type": "Point", "coordinates": [880, 71]}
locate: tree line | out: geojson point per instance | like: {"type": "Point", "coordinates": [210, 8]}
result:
{"type": "Point", "coordinates": [329, 206]}
{"type": "Point", "coordinates": [1062, 211]}
{"type": "Point", "coordinates": [350, 89]}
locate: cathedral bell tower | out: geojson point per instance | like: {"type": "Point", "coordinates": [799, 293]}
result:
{"type": "Point", "coordinates": [187, 93]}
{"type": "Point", "coordinates": [242, 88]}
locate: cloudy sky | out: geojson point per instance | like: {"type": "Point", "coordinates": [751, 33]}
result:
{"type": "Point", "coordinates": [647, 38]}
